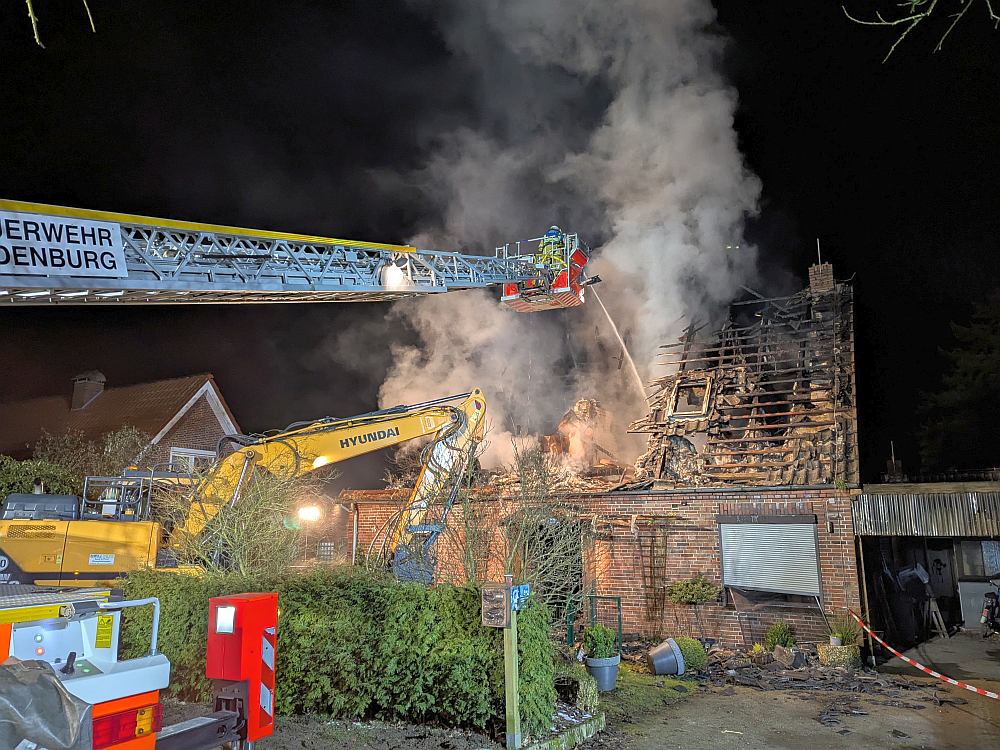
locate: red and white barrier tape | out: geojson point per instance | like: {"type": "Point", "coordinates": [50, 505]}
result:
{"type": "Point", "coordinates": [921, 667]}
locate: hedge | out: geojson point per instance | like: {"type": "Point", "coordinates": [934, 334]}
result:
{"type": "Point", "coordinates": [20, 476]}
{"type": "Point", "coordinates": [353, 645]}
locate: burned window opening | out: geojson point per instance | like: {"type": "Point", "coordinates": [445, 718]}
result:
{"type": "Point", "coordinates": [690, 398]}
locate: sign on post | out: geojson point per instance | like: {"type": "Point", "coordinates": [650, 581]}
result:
{"type": "Point", "coordinates": [496, 605]}
{"type": "Point", "coordinates": [518, 596]}
{"type": "Point", "coordinates": [501, 603]}
{"type": "Point", "coordinates": [39, 245]}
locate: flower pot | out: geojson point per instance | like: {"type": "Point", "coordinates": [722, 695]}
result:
{"type": "Point", "coordinates": [604, 671]}
{"type": "Point", "coordinates": [666, 659]}
{"type": "Point", "coordinates": [839, 656]}
{"type": "Point", "coordinates": [836, 640]}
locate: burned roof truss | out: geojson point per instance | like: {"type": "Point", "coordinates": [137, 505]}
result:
{"type": "Point", "coordinates": [769, 399]}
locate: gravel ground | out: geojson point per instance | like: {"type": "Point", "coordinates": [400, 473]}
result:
{"type": "Point", "coordinates": [736, 717]}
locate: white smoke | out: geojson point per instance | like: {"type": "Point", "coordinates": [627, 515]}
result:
{"type": "Point", "coordinates": [613, 119]}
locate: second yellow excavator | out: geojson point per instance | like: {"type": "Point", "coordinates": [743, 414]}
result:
{"type": "Point", "coordinates": [69, 540]}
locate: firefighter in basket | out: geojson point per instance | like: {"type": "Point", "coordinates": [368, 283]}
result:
{"type": "Point", "coordinates": [551, 255]}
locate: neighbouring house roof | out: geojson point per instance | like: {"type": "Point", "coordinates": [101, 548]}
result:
{"type": "Point", "coordinates": [151, 407]}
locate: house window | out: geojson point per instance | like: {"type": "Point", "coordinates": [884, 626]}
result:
{"type": "Point", "coordinates": [691, 398]}
{"type": "Point", "coordinates": [978, 559]}
{"type": "Point", "coordinates": [189, 460]}
{"type": "Point", "coordinates": [776, 554]}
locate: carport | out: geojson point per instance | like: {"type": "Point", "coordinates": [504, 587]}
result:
{"type": "Point", "coordinates": [923, 547]}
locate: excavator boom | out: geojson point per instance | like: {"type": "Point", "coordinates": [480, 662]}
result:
{"type": "Point", "coordinates": [89, 544]}
{"type": "Point", "coordinates": [305, 447]}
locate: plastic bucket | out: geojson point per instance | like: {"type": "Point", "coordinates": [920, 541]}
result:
{"type": "Point", "coordinates": [666, 658]}
{"type": "Point", "coordinates": [604, 671]}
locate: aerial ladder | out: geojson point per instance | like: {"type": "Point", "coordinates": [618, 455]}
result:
{"type": "Point", "coordinates": [54, 255]}
{"type": "Point", "coordinates": [92, 540]}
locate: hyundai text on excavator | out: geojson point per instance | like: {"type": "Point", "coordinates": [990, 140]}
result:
{"type": "Point", "coordinates": [65, 540]}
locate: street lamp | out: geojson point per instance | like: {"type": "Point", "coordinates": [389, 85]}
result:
{"type": "Point", "coordinates": [309, 513]}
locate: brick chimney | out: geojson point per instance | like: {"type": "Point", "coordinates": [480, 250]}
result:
{"type": "Point", "coordinates": [86, 387]}
{"type": "Point", "coordinates": [821, 278]}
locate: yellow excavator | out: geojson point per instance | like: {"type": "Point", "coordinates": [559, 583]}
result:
{"type": "Point", "coordinates": [63, 539]}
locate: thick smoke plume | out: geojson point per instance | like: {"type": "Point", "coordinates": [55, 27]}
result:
{"type": "Point", "coordinates": [611, 119]}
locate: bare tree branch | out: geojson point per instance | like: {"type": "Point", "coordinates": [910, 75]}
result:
{"type": "Point", "coordinates": [916, 12]}
{"type": "Point", "coordinates": [34, 20]}
{"type": "Point", "coordinates": [955, 19]}
{"type": "Point", "coordinates": [90, 17]}
{"type": "Point", "coordinates": [34, 23]}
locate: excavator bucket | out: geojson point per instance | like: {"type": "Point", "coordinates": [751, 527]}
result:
{"type": "Point", "coordinates": [560, 260]}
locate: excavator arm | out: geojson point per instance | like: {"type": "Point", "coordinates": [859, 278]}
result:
{"type": "Point", "coordinates": [305, 447]}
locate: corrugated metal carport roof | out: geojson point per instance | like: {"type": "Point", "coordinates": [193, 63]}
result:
{"type": "Point", "coordinates": [914, 510]}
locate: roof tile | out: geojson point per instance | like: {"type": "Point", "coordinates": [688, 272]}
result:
{"type": "Point", "coordinates": [146, 406]}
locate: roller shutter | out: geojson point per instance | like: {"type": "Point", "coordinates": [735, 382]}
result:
{"type": "Point", "coordinates": [775, 556]}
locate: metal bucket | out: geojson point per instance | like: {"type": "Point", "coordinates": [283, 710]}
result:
{"type": "Point", "coordinates": [666, 658]}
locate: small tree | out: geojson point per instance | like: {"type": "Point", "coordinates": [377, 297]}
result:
{"type": "Point", "coordinates": [960, 420]}
{"type": "Point", "coordinates": [81, 457]}
{"type": "Point", "coordinates": [524, 530]}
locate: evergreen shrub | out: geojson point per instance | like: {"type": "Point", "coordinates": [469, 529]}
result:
{"type": "Point", "coordinates": [695, 657]}
{"type": "Point", "coordinates": [600, 641]}
{"type": "Point", "coordinates": [780, 633]}
{"type": "Point", "coordinates": [354, 645]}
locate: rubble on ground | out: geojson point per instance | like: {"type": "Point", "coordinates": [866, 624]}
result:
{"type": "Point", "coordinates": [797, 669]}
{"type": "Point", "coordinates": [733, 667]}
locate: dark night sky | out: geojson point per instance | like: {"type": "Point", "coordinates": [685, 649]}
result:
{"type": "Point", "coordinates": [275, 115]}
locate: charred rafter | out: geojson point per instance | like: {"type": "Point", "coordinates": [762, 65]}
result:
{"type": "Point", "coordinates": [768, 399]}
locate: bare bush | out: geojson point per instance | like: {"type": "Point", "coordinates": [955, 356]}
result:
{"type": "Point", "coordinates": [82, 457]}
{"type": "Point", "coordinates": [525, 530]}
{"type": "Point", "coordinates": [258, 533]}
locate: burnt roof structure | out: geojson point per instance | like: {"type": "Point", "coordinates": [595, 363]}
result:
{"type": "Point", "coordinates": [768, 400]}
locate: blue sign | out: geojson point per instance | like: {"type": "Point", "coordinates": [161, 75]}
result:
{"type": "Point", "coordinates": [518, 595]}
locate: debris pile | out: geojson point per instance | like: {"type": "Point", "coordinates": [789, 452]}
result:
{"type": "Point", "coordinates": [799, 670]}
{"type": "Point", "coordinates": [560, 477]}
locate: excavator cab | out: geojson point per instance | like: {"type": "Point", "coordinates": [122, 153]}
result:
{"type": "Point", "coordinates": [559, 259]}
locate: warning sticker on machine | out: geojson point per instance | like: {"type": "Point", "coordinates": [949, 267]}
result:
{"type": "Point", "coordinates": [105, 629]}
{"type": "Point", "coordinates": [99, 558]}
{"type": "Point", "coordinates": [36, 245]}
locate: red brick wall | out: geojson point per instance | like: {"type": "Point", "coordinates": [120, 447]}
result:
{"type": "Point", "coordinates": [198, 429]}
{"type": "Point", "coordinates": [613, 561]}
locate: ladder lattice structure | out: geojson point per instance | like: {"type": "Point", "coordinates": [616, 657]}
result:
{"type": "Point", "coordinates": [176, 262]}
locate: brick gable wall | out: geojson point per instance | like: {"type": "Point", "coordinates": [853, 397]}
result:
{"type": "Point", "coordinates": [198, 429]}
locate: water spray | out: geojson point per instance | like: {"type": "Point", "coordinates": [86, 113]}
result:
{"type": "Point", "coordinates": [628, 357]}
